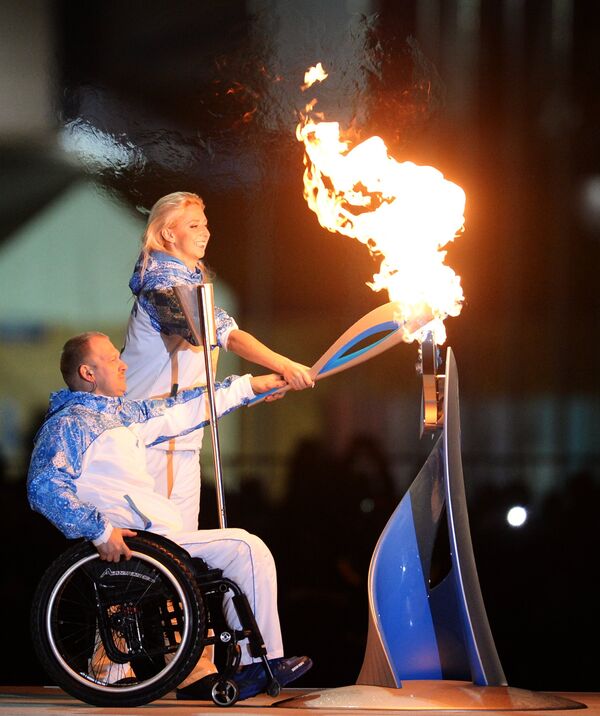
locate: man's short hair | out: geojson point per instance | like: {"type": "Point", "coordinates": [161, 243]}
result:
{"type": "Point", "coordinates": [74, 353]}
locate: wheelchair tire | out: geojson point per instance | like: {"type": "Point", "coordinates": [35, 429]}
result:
{"type": "Point", "coordinates": [119, 633]}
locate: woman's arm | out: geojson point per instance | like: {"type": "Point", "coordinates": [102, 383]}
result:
{"type": "Point", "coordinates": [247, 346]}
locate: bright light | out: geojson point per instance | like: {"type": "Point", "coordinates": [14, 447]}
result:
{"type": "Point", "coordinates": [99, 149]}
{"type": "Point", "coordinates": [516, 516]}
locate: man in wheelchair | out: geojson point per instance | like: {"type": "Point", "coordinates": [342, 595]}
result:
{"type": "Point", "coordinates": [88, 477]}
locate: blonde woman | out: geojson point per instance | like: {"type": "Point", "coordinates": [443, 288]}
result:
{"type": "Point", "coordinates": [161, 363]}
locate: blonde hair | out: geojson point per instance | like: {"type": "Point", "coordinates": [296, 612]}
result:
{"type": "Point", "coordinates": [160, 217]}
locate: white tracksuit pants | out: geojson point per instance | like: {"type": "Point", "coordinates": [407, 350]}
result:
{"type": "Point", "coordinates": [247, 561]}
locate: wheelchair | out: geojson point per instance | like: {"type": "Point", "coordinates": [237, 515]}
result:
{"type": "Point", "coordinates": [126, 633]}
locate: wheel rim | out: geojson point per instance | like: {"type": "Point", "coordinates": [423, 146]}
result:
{"type": "Point", "coordinates": [65, 645]}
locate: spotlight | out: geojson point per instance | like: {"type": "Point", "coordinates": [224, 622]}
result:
{"type": "Point", "coordinates": [516, 516]}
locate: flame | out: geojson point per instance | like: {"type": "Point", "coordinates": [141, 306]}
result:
{"type": "Point", "coordinates": [403, 212]}
{"type": "Point", "coordinates": [314, 74]}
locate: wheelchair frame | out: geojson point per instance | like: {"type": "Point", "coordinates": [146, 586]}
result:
{"type": "Point", "coordinates": [127, 633]}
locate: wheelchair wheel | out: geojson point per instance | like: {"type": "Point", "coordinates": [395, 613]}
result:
{"type": "Point", "coordinates": [119, 633]}
{"type": "Point", "coordinates": [225, 692]}
{"type": "Point", "coordinates": [274, 688]}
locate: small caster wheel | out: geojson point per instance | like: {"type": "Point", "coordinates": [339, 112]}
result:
{"type": "Point", "coordinates": [274, 688]}
{"type": "Point", "coordinates": [225, 692]}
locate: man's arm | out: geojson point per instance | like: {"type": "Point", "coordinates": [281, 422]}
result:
{"type": "Point", "coordinates": [55, 465]}
{"type": "Point", "coordinates": [247, 346]}
{"type": "Point", "coordinates": [189, 410]}
{"type": "Point", "coordinates": [54, 468]}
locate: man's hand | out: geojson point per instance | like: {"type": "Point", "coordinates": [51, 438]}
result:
{"type": "Point", "coordinates": [115, 546]}
{"type": "Point", "coordinates": [296, 375]}
{"type": "Point", "coordinates": [264, 383]}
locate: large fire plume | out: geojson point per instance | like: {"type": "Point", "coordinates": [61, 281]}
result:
{"type": "Point", "coordinates": [404, 213]}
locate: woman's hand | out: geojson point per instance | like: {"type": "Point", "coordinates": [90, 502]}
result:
{"type": "Point", "coordinates": [296, 375]}
{"type": "Point", "coordinates": [247, 346]}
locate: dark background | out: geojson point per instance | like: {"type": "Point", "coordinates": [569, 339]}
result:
{"type": "Point", "coordinates": [502, 97]}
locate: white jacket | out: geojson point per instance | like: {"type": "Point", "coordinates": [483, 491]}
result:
{"type": "Point", "coordinates": [88, 467]}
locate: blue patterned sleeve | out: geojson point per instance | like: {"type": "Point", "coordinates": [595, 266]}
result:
{"type": "Point", "coordinates": [167, 418]}
{"type": "Point", "coordinates": [224, 324]}
{"type": "Point", "coordinates": [55, 465]}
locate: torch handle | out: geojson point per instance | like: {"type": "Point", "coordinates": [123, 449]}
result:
{"type": "Point", "coordinates": [209, 339]}
{"type": "Point", "coordinates": [350, 349]}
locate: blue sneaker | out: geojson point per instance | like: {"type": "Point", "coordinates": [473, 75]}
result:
{"type": "Point", "coordinates": [288, 670]}
{"type": "Point", "coordinates": [252, 679]}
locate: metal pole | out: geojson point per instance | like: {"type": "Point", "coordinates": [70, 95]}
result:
{"type": "Point", "coordinates": [207, 313]}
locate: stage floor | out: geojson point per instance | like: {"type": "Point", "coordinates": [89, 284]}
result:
{"type": "Point", "coordinates": [51, 701]}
